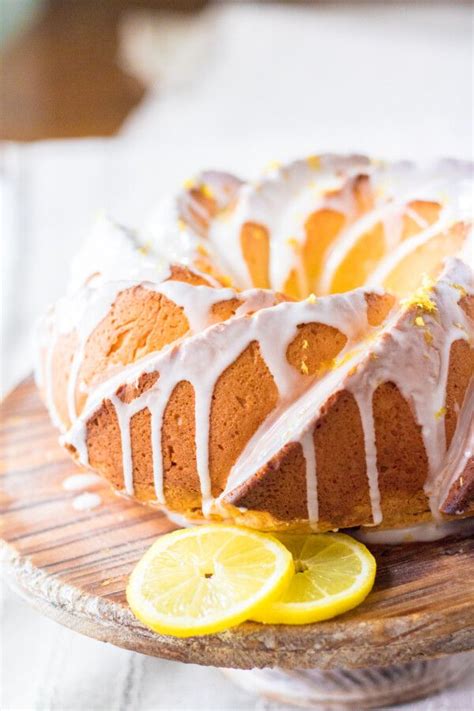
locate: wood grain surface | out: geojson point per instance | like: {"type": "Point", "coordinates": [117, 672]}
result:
{"type": "Point", "coordinates": [73, 566]}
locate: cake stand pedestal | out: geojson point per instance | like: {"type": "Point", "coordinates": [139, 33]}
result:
{"type": "Point", "coordinates": [409, 638]}
{"type": "Point", "coordinates": [350, 688]}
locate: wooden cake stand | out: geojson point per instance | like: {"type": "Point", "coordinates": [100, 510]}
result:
{"type": "Point", "coordinates": [72, 563]}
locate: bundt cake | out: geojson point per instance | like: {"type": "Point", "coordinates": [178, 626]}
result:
{"type": "Point", "coordinates": [291, 353]}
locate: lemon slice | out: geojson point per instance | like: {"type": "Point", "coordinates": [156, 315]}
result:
{"type": "Point", "coordinates": [333, 574]}
{"type": "Point", "coordinates": [206, 579]}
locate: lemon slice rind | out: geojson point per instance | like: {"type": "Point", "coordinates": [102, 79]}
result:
{"type": "Point", "coordinates": [329, 605]}
{"type": "Point", "coordinates": [267, 581]}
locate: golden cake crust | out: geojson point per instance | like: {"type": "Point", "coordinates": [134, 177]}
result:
{"type": "Point", "coordinates": [279, 411]}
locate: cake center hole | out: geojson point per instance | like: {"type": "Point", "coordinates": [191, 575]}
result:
{"type": "Point", "coordinates": [300, 566]}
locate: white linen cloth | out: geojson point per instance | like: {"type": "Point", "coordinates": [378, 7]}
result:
{"type": "Point", "coordinates": [277, 82]}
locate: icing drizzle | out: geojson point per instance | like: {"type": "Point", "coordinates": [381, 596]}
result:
{"type": "Point", "coordinates": [114, 260]}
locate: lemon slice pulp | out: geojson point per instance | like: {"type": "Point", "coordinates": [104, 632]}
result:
{"type": "Point", "coordinates": [196, 581]}
{"type": "Point", "coordinates": [333, 574]}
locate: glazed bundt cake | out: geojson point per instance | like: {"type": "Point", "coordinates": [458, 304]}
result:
{"type": "Point", "coordinates": [295, 352]}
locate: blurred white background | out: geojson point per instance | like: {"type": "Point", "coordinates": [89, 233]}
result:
{"type": "Point", "coordinates": [233, 87]}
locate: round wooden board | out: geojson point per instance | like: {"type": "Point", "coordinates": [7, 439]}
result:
{"type": "Point", "coordinates": [73, 566]}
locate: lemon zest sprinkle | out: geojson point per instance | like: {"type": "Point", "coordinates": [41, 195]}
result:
{"type": "Point", "coordinates": [314, 162]}
{"type": "Point", "coordinates": [202, 250]}
{"type": "Point", "coordinates": [421, 297]}
{"type": "Point", "coordinates": [189, 184]}
{"type": "Point", "coordinates": [340, 360]}
{"type": "Point", "coordinates": [145, 248]}
{"type": "Point", "coordinates": [206, 191]}
{"type": "Point", "coordinates": [460, 288]}
{"type": "Point", "coordinates": [272, 165]}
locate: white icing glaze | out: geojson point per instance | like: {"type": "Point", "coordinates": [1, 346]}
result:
{"type": "Point", "coordinates": [83, 311]}
{"type": "Point", "coordinates": [422, 533]}
{"type": "Point", "coordinates": [48, 383]}
{"type": "Point", "coordinates": [309, 453]}
{"type": "Point", "coordinates": [400, 354]}
{"type": "Point", "coordinates": [289, 423]}
{"type": "Point", "coordinates": [114, 259]}
{"type": "Point", "coordinates": [184, 522]}
{"type": "Point", "coordinates": [201, 359]}
{"type": "Point", "coordinates": [364, 403]}
{"type": "Point", "coordinates": [92, 306]}
{"type": "Point", "coordinates": [460, 451]}
{"type": "Point", "coordinates": [419, 369]}
{"type": "Point", "coordinates": [124, 415]}
{"type": "Point", "coordinates": [451, 193]}
{"type": "Point", "coordinates": [79, 482]}
{"type": "Point", "coordinates": [282, 202]}
{"type": "Point", "coordinates": [113, 253]}
{"type": "Point", "coordinates": [389, 263]}
{"type": "Point", "coordinates": [86, 501]}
